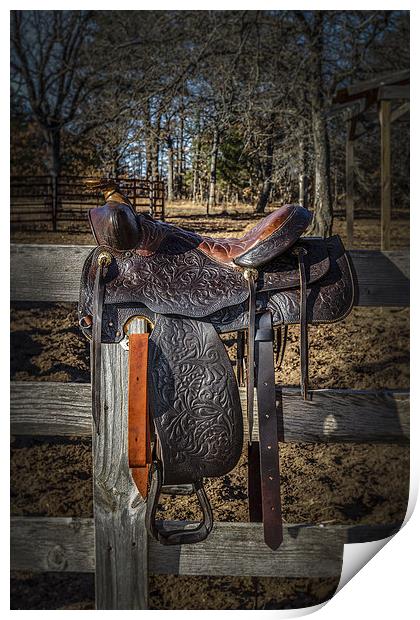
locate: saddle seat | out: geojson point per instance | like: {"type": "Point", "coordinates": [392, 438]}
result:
{"type": "Point", "coordinates": [272, 236]}
{"type": "Point", "coordinates": [117, 225]}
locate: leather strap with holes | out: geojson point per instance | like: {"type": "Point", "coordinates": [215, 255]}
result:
{"type": "Point", "coordinates": [139, 450]}
{"type": "Point", "coordinates": [267, 420]}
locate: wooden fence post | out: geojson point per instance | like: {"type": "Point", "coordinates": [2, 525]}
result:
{"type": "Point", "coordinates": [54, 184]}
{"type": "Point", "coordinates": [385, 121]}
{"type": "Point", "coordinates": [151, 196]}
{"type": "Point", "coordinates": [350, 183]}
{"type": "Point", "coordinates": [120, 535]}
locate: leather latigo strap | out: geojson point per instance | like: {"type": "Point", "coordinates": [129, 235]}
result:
{"type": "Point", "coordinates": [251, 276]}
{"type": "Point", "coordinates": [139, 449]}
{"type": "Point", "coordinates": [267, 417]}
{"type": "Point", "coordinates": [254, 483]}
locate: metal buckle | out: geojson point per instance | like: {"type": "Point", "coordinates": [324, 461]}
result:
{"type": "Point", "coordinates": [104, 259]}
{"type": "Point", "coordinates": [250, 274]}
{"type": "Point", "coordinates": [299, 251]}
{"type": "Point", "coordinates": [140, 317]}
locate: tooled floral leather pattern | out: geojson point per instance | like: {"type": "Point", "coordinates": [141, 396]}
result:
{"type": "Point", "coordinates": [283, 271]}
{"type": "Point", "coordinates": [194, 400]}
{"type": "Point", "coordinates": [329, 299]}
{"type": "Point", "coordinates": [188, 284]}
{"type": "Point", "coordinates": [165, 238]}
{"type": "Point", "coordinates": [206, 288]}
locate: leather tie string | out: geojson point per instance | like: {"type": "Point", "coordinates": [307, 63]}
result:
{"type": "Point", "coordinates": [251, 275]}
{"type": "Point", "coordinates": [104, 260]}
{"type": "Point", "coordinates": [240, 355]}
{"type": "Point", "coordinates": [301, 252]}
{"type": "Point", "coordinates": [281, 342]}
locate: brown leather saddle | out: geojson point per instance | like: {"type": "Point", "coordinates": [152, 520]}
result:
{"type": "Point", "coordinates": [193, 288]}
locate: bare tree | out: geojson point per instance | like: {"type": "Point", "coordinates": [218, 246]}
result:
{"type": "Point", "coordinates": [50, 70]}
{"type": "Point", "coordinates": [229, 105]}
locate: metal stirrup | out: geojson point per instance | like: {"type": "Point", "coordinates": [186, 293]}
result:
{"type": "Point", "coordinates": [176, 537]}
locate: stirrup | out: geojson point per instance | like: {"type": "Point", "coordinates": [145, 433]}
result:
{"type": "Point", "coordinates": [176, 537]}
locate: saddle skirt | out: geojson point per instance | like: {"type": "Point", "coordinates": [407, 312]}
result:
{"type": "Point", "coordinates": [191, 284]}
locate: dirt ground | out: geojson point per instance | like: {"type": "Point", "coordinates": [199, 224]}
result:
{"type": "Point", "coordinates": [321, 483]}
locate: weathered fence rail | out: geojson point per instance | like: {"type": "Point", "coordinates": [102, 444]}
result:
{"type": "Point", "coordinates": [64, 409]}
{"type": "Point", "coordinates": [114, 544]}
{"type": "Point", "coordinates": [52, 273]}
{"type": "Point", "coordinates": [235, 549]}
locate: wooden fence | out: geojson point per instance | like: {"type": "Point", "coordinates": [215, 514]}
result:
{"type": "Point", "coordinates": [61, 203]}
{"type": "Point", "coordinates": [114, 544]}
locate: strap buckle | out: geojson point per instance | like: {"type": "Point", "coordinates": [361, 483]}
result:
{"type": "Point", "coordinates": [251, 274]}
{"type": "Point", "coordinates": [138, 317]}
{"type": "Point", "coordinates": [104, 259]}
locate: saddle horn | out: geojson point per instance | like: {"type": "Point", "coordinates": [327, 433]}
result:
{"type": "Point", "coordinates": [115, 223]}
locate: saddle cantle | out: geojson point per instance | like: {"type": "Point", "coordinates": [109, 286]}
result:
{"type": "Point", "coordinates": [194, 288]}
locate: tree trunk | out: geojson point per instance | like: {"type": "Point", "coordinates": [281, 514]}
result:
{"type": "Point", "coordinates": [53, 138]}
{"type": "Point", "coordinates": [303, 198]}
{"type": "Point", "coordinates": [213, 171]}
{"type": "Point", "coordinates": [154, 136]}
{"type": "Point", "coordinates": [179, 183]}
{"type": "Point", "coordinates": [201, 190]}
{"type": "Point", "coordinates": [268, 171]}
{"type": "Point", "coordinates": [115, 166]}
{"type": "Point", "coordinates": [194, 192]}
{"type": "Point", "coordinates": [263, 197]}
{"type": "Point", "coordinates": [170, 146]}
{"type": "Point", "coordinates": [196, 170]}
{"type": "Point", "coordinates": [196, 160]}
{"type": "Point", "coordinates": [152, 145]}
{"type": "Point", "coordinates": [323, 213]}
{"type": "Point", "coordinates": [148, 158]}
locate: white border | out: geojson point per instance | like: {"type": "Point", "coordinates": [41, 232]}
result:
{"type": "Point", "coordinates": [387, 586]}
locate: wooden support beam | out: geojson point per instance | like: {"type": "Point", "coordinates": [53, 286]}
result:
{"type": "Point", "coordinates": [400, 111]}
{"type": "Point", "coordinates": [238, 549]}
{"type": "Point", "coordinates": [372, 84]}
{"type": "Point", "coordinates": [66, 544]}
{"type": "Point", "coordinates": [394, 92]}
{"type": "Point", "coordinates": [121, 574]}
{"type": "Point", "coordinates": [44, 544]}
{"type": "Point", "coordinates": [385, 122]}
